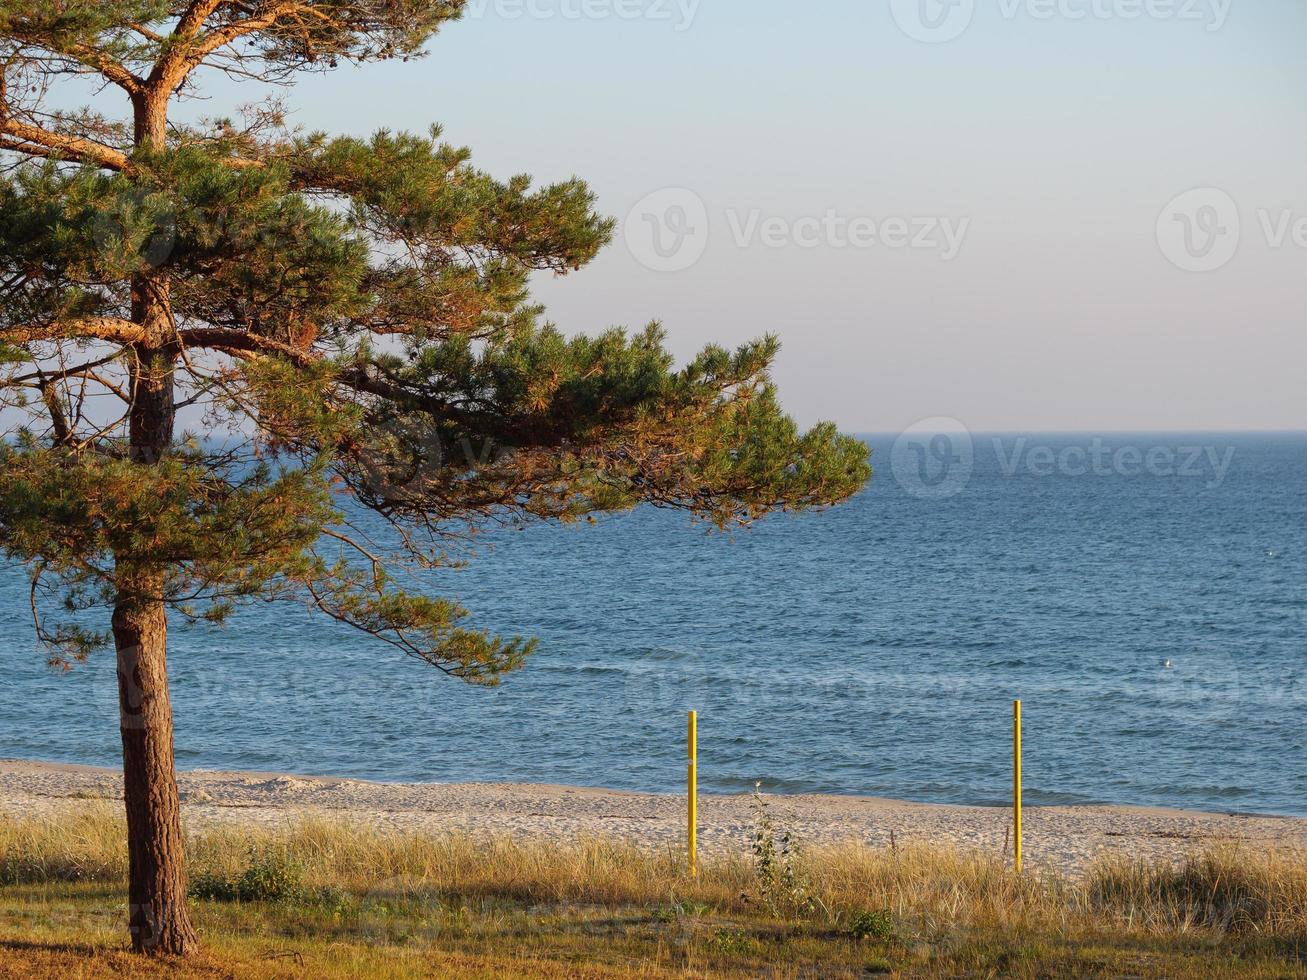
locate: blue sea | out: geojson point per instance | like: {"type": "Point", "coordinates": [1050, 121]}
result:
{"type": "Point", "coordinates": [1145, 596]}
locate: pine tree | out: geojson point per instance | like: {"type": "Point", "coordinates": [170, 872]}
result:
{"type": "Point", "coordinates": [347, 321]}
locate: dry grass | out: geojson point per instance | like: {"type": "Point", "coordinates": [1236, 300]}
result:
{"type": "Point", "coordinates": [597, 871]}
{"type": "Point", "coordinates": [487, 907]}
{"type": "Point", "coordinates": [1222, 891]}
{"type": "Point", "coordinates": [1228, 891]}
{"type": "Point", "coordinates": [88, 844]}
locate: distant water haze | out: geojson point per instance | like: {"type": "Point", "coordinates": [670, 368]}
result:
{"type": "Point", "coordinates": [873, 649]}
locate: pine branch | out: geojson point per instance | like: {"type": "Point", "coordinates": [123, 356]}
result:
{"type": "Point", "coordinates": [189, 48]}
{"type": "Point", "coordinates": [84, 55]}
{"type": "Point", "coordinates": [109, 69]}
{"type": "Point", "coordinates": [106, 328]}
{"type": "Point", "coordinates": [244, 342]}
{"type": "Point", "coordinates": [62, 146]}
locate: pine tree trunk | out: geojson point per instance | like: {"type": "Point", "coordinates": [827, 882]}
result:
{"type": "Point", "coordinates": [159, 921]}
{"type": "Point", "coordinates": [157, 877]}
{"type": "Point", "coordinates": [157, 869]}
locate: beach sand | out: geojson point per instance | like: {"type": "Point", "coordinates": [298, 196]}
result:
{"type": "Point", "coordinates": [1065, 839]}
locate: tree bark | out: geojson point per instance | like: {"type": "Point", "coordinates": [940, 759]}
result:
{"type": "Point", "coordinates": [157, 881]}
{"type": "Point", "coordinates": [159, 921]}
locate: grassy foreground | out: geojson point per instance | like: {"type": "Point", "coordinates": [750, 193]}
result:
{"type": "Point", "coordinates": [326, 900]}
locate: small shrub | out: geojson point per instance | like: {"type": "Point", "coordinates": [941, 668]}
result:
{"type": "Point", "coordinates": [269, 877]}
{"type": "Point", "coordinates": [213, 888]}
{"type": "Point", "coordinates": [332, 899]}
{"type": "Point", "coordinates": [783, 886]}
{"type": "Point", "coordinates": [734, 943]}
{"type": "Point", "coordinates": [878, 925]}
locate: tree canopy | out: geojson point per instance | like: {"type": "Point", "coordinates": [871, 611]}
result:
{"type": "Point", "coordinates": [340, 317]}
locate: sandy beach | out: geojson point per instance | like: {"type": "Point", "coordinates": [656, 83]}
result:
{"type": "Point", "coordinates": [1066, 839]}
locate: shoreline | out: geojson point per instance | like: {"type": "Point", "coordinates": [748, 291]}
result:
{"type": "Point", "coordinates": [1067, 839]}
{"type": "Point", "coordinates": [14, 766]}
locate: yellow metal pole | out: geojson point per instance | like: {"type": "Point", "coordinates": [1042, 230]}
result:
{"type": "Point", "coordinates": [693, 787]}
{"type": "Point", "coordinates": [1016, 785]}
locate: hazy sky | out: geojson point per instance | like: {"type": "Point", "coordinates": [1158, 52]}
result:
{"type": "Point", "coordinates": [1034, 158]}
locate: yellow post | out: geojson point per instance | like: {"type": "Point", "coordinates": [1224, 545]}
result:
{"type": "Point", "coordinates": [1016, 785]}
{"type": "Point", "coordinates": [693, 786]}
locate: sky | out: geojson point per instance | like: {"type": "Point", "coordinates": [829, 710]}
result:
{"type": "Point", "coordinates": [1025, 215]}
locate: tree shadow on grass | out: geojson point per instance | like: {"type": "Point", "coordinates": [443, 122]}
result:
{"type": "Point", "coordinates": [75, 949]}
